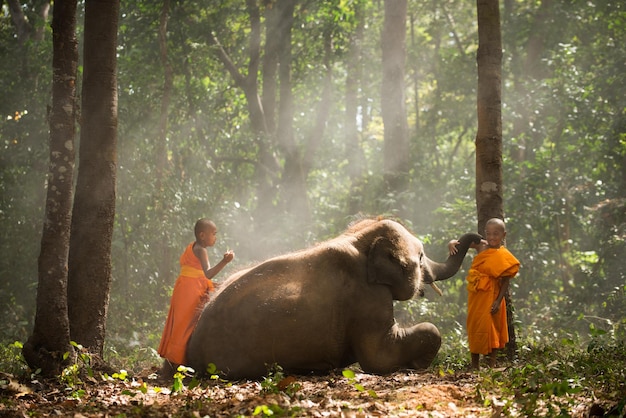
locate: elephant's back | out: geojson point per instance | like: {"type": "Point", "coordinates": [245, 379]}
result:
{"type": "Point", "coordinates": [280, 312]}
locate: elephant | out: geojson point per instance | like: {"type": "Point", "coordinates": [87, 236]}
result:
{"type": "Point", "coordinates": [325, 307]}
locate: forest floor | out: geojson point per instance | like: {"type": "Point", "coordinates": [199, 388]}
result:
{"type": "Point", "coordinates": [408, 393]}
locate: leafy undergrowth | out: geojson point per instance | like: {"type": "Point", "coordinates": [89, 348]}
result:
{"type": "Point", "coordinates": [400, 394]}
{"type": "Point", "coordinates": [343, 393]}
{"type": "Point", "coordinates": [556, 380]}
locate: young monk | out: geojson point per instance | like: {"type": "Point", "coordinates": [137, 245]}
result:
{"type": "Point", "coordinates": [487, 283]}
{"type": "Point", "coordinates": [191, 292]}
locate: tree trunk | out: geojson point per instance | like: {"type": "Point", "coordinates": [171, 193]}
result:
{"type": "Point", "coordinates": [94, 205]}
{"type": "Point", "coordinates": [26, 32]}
{"type": "Point", "coordinates": [270, 65]}
{"type": "Point", "coordinates": [489, 135]}
{"type": "Point", "coordinates": [267, 166]}
{"type": "Point", "coordinates": [50, 339]}
{"type": "Point", "coordinates": [489, 199]}
{"type": "Point", "coordinates": [393, 108]}
{"type": "Point", "coordinates": [293, 197]}
{"type": "Point", "coordinates": [161, 198]}
{"type": "Point", "coordinates": [353, 150]}
{"type": "Point", "coordinates": [314, 140]}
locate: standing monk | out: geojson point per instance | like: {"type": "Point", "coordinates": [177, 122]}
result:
{"type": "Point", "coordinates": [487, 283]}
{"type": "Point", "coordinates": [191, 292]}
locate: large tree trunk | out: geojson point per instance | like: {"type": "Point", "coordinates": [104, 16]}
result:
{"type": "Point", "coordinates": [489, 199]}
{"type": "Point", "coordinates": [396, 147]}
{"type": "Point", "coordinates": [94, 205]}
{"type": "Point", "coordinates": [489, 135]}
{"type": "Point", "coordinates": [50, 339]}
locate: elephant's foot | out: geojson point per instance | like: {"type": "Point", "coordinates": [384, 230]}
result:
{"type": "Point", "coordinates": [428, 344]}
{"type": "Point", "coordinates": [402, 348]}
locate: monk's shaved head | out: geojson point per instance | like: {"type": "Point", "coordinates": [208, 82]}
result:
{"type": "Point", "coordinates": [496, 221]}
{"type": "Point", "coordinates": [203, 225]}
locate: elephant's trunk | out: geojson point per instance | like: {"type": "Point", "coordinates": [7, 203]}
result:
{"type": "Point", "coordinates": [434, 271]}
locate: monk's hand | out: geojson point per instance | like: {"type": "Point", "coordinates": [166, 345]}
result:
{"type": "Point", "coordinates": [452, 246]}
{"type": "Point", "coordinates": [495, 307]}
{"type": "Point", "coordinates": [229, 256]}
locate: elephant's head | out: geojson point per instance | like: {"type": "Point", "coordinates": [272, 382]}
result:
{"type": "Point", "coordinates": [396, 258]}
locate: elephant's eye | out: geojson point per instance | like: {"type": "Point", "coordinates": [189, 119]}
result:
{"type": "Point", "coordinates": [421, 259]}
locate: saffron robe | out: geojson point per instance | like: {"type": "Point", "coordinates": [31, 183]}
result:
{"type": "Point", "coordinates": [191, 292]}
{"type": "Point", "coordinates": [486, 332]}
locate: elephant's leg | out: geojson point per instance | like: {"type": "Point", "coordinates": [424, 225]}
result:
{"type": "Point", "coordinates": [398, 348]}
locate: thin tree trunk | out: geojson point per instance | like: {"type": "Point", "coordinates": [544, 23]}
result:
{"type": "Point", "coordinates": [94, 204]}
{"type": "Point", "coordinates": [50, 339]}
{"type": "Point", "coordinates": [314, 140]}
{"type": "Point", "coordinates": [353, 150]}
{"type": "Point", "coordinates": [293, 197]}
{"type": "Point", "coordinates": [22, 26]}
{"type": "Point", "coordinates": [393, 108]}
{"type": "Point", "coordinates": [163, 167]}
{"type": "Point", "coordinates": [266, 167]}
{"type": "Point", "coordinates": [270, 65]}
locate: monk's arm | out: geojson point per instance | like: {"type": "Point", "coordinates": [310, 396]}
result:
{"type": "Point", "coordinates": [211, 272]}
{"type": "Point", "coordinates": [503, 289]}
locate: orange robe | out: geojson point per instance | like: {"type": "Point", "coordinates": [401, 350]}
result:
{"type": "Point", "coordinates": [188, 298]}
{"type": "Point", "coordinates": [485, 331]}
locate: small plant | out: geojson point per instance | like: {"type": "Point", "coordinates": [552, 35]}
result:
{"type": "Point", "coordinates": [213, 373]}
{"type": "Point", "coordinates": [276, 382]}
{"type": "Point", "coordinates": [11, 358]}
{"type": "Point", "coordinates": [71, 375]}
{"type": "Point", "coordinates": [351, 376]}
{"type": "Point", "coordinates": [121, 375]}
{"type": "Point", "coordinates": [181, 373]}
{"type": "Point", "coordinates": [267, 410]}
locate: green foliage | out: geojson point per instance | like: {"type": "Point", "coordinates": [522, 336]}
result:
{"type": "Point", "coordinates": [73, 376]}
{"type": "Point", "coordinates": [267, 410]}
{"type": "Point", "coordinates": [352, 379]}
{"type": "Point", "coordinates": [11, 358]}
{"type": "Point", "coordinates": [546, 380]}
{"type": "Point", "coordinates": [277, 382]}
{"type": "Point", "coordinates": [183, 372]}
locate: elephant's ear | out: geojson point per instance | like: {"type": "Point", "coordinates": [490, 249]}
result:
{"type": "Point", "coordinates": [383, 265]}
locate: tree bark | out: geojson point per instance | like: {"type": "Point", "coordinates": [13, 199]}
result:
{"type": "Point", "coordinates": [163, 167]}
{"type": "Point", "coordinates": [293, 180]}
{"type": "Point", "coordinates": [270, 65]}
{"type": "Point", "coordinates": [489, 135]}
{"type": "Point", "coordinates": [489, 181]}
{"type": "Point", "coordinates": [393, 107]}
{"type": "Point", "coordinates": [26, 32]}
{"type": "Point", "coordinates": [94, 205]}
{"type": "Point", "coordinates": [50, 339]}
{"type": "Point", "coordinates": [314, 140]}
{"type": "Point", "coordinates": [354, 151]}
{"type": "Point", "coordinates": [22, 26]}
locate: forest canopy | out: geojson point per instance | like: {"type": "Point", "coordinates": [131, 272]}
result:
{"type": "Point", "coordinates": [191, 145]}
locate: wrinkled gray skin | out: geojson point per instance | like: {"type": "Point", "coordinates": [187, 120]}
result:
{"type": "Point", "coordinates": [325, 307]}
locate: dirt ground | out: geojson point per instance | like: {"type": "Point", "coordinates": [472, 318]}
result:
{"type": "Point", "coordinates": [335, 395]}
